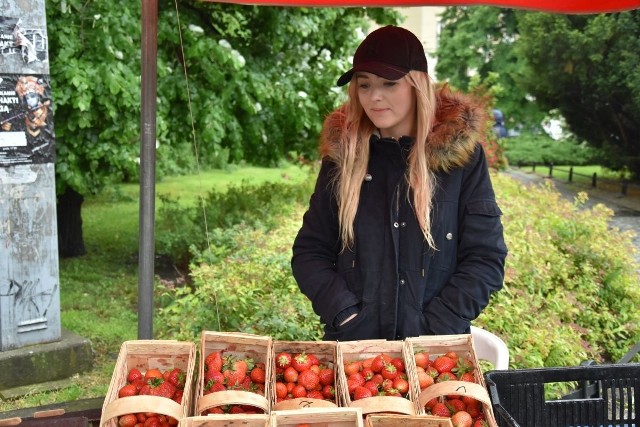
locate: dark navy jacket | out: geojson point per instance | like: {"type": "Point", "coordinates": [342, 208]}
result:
{"type": "Point", "coordinates": [401, 287]}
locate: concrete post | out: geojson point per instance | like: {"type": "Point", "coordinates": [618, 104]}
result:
{"type": "Point", "coordinates": [29, 275]}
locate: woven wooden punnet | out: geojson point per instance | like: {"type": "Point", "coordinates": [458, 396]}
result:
{"type": "Point", "coordinates": [361, 350]}
{"type": "Point", "coordinates": [438, 345]}
{"type": "Point", "coordinates": [318, 417]}
{"type": "Point", "coordinates": [227, 420]}
{"type": "Point", "coordinates": [389, 420]}
{"type": "Point", "coordinates": [144, 355]}
{"type": "Point", "coordinates": [325, 352]}
{"type": "Point", "coordinates": [256, 347]}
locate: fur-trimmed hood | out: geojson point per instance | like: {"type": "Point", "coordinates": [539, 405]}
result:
{"type": "Point", "coordinates": [460, 123]}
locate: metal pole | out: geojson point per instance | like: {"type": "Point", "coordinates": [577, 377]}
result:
{"type": "Point", "coordinates": [146, 248]}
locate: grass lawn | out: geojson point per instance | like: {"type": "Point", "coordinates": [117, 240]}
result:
{"type": "Point", "coordinates": [98, 292]}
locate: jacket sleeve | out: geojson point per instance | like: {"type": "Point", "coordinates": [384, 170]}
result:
{"type": "Point", "coordinates": [480, 257]}
{"type": "Point", "coordinates": [315, 252]}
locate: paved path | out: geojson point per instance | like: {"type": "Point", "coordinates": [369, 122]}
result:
{"type": "Point", "coordinates": [626, 208]}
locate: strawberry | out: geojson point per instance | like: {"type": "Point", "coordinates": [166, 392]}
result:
{"type": "Point", "coordinates": [258, 375]}
{"type": "Point", "coordinates": [398, 363]}
{"type": "Point", "coordinates": [308, 379]}
{"type": "Point", "coordinates": [461, 419]}
{"type": "Point", "coordinates": [389, 371]}
{"type": "Point", "coordinates": [283, 360]}
{"type": "Point", "coordinates": [401, 385]}
{"type": "Point", "coordinates": [315, 394]}
{"type": "Point", "coordinates": [361, 392]}
{"type": "Point", "coordinates": [134, 374]}
{"type": "Point", "coordinates": [480, 423]}
{"type": "Point", "coordinates": [299, 391]}
{"type": "Point", "coordinates": [352, 367]}
{"type": "Point", "coordinates": [440, 410]}
{"type": "Point", "coordinates": [214, 361]}
{"type": "Point", "coordinates": [456, 405]}
{"type": "Point", "coordinates": [467, 376]}
{"type": "Point", "coordinates": [128, 390]}
{"type": "Point", "coordinates": [152, 373]}
{"type": "Point", "coordinates": [329, 392]}
{"type": "Point", "coordinates": [422, 359]}
{"type": "Point", "coordinates": [234, 370]}
{"type": "Point", "coordinates": [213, 377]}
{"type": "Point", "coordinates": [326, 376]}
{"type": "Point", "coordinates": [430, 404]}
{"type": "Point", "coordinates": [443, 364]}
{"type": "Point", "coordinates": [373, 387]}
{"type": "Point", "coordinates": [445, 376]}
{"type": "Point", "coordinates": [164, 389]}
{"type": "Point", "coordinates": [379, 361]}
{"type": "Point", "coordinates": [177, 377]}
{"type": "Point", "coordinates": [425, 380]}
{"type": "Point", "coordinates": [301, 362]}
{"type": "Point", "coordinates": [290, 375]}
{"type": "Point", "coordinates": [128, 420]}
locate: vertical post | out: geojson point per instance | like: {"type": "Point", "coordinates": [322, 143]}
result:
{"type": "Point", "coordinates": [147, 168]}
{"type": "Point", "coordinates": [624, 186]}
{"type": "Point", "coordinates": [571, 174]}
{"type": "Point", "coordinates": [594, 178]}
{"type": "Point", "coordinates": [551, 170]}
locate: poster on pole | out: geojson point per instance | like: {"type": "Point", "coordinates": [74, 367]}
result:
{"type": "Point", "coordinates": [26, 120]}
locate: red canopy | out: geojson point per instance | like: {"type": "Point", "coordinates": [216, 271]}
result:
{"type": "Point", "coordinates": [556, 6]}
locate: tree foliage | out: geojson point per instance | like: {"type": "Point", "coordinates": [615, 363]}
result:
{"type": "Point", "coordinates": [587, 67]}
{"type": "Point", "coordinates": [582, 66]}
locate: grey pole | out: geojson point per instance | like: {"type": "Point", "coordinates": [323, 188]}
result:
{"type": "Point", "coordinates": [147, 168]}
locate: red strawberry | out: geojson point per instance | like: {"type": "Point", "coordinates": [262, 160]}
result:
{"type": "Point", "coordinates": [283, 360]}
{"type": "Point", "coordinates": [213, 361]}
{"type": "Point", "coordinates": [361, 393]}
{"type": "Point", "coordinates": [128, 420]}
{"type": "Point", "coordinates": [299, 391]}
{"type": "Point", "coordinates": [308, 379]}
{"type": "Point", "coordinates": [301, 362]}
{"type": "Point", "coordinates": [445, 376]}
{"type": "Point", "coordinates": [440, 410]}
{"type": "Point", "coordinates": [177, 377]}
{"type": "Point", "coordinates": [162, 388]}
{"type": "Point", "coordinates": [329, 392]}
{"type": "Point", "coordinates": [258, 375]}
{"type": "Point", "coordinates": [456, 405]}
{"type": "Point", "coordinates": [134, 374]}
{"type": "Point", "coordinates": [422, 359]}
{"type": "Point", "coordinates": [480, 423]}
{"type": "Point", "coordinates": [461, 419]}
{"type": "Point", "coordinates": [379, 361]}
{"type": "Point", "coordinates": [290, 375]}
{"type": "Point", "coordinates": [315, 394]}
{"type": "Point", "coordinates": [389, 372]}
{"type": "Point", "coordinates": [281, 390]}
{"type": "Point", "coordinates": [401, 385]}
{"type": "Point", "coordinates": [128, 390]}
{"type": "Point", "coordinates": [326, 376]}
{"type": "Point", "coordinates": [398, 363]}
{"type": "Point", "coordinates": [234, 370]}
{"type": "Point", "coordinates": [373, 387]}
{"type": "Point", "coordinates": [467, 376]}
{"type": "Point", "coordinates": [443, 364]}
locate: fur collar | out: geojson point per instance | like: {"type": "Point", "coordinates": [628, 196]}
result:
{"type": "Point", "coordinates": [460, 124]}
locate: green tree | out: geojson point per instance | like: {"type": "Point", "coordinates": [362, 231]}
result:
{"type": "Point", "coordinates": [587, 66]}
{"type": "Point", "coordinates": [476, 48]}
{"type": "Point", "coordinates": [260, 82]}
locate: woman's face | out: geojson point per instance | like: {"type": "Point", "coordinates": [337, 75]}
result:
{"type": "Point", "coordinates": [389, 104]}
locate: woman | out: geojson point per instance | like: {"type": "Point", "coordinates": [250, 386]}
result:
{"type": "Point", "coordinates": [403, 235]}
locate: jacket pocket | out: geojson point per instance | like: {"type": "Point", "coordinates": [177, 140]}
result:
{"type": "Point", "coordinates": [356, 329]}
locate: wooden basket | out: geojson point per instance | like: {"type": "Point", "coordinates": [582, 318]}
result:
{"type": "Point", "coordinates": [256, 347]}
{"type": "Point", "coordinates": [361, 350]}
{"type": "Point", "coordinates": [144, 355]}
{"type": "Point", "coordinates": [318, 417]}
{"type": "Point", "coordinates": [438, 345]}
{"type": "Point", "coordinates": [227, 420]}
{"type": "Point", "coordinates": [325, 351]}
{"type": "Point", "coordinates": [389, 420]}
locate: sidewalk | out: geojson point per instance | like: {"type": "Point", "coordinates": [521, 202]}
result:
{"type": "Point", "coordinates": [622, 205]}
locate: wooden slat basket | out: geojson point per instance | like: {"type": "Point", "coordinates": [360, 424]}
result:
{"type": "Point", "coordinates": [391, 420]}
{"type": "Point", "coordinates": [324, 351]}
{"type": "Point", "coordinates": [143, 355]}
{"type": "Point", "coordinates": [238, 345]}
{"type": "Point", "coordinates": [226, 420]}
{"type": "Point", "coordinates": [318, 417]}
{"type": "Point", "coordinates": [438, 345]}
{"type": "Point", "coordinates": [350, 351]}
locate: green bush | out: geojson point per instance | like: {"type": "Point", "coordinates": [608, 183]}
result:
{"type": "Point", "coordinates": [530, 148]}
{"type": "Point", "coordinates": [571, 288]}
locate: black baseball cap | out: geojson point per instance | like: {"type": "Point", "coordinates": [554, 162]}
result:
{"type": "Point", "coordinates": [389, 52]}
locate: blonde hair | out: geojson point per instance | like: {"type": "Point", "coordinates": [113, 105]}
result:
{"type": "Point", "coordinates": [348, 131]}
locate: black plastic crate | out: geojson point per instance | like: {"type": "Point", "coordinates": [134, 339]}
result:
{"type": "Point", "coordinates": [612, 397]}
